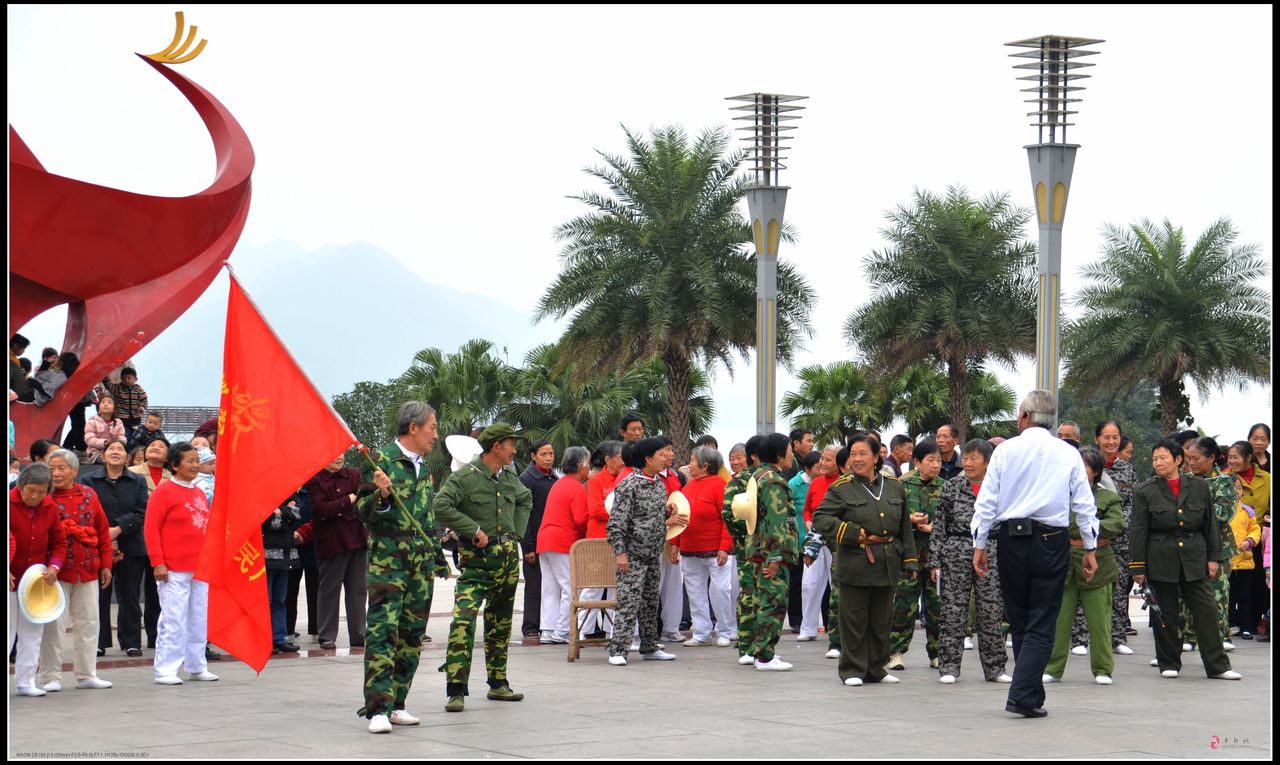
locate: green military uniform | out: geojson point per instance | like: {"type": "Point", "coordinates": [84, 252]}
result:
{"type": "Point", "coordinates": [1094, 595]}
{"type": "Point", "coordinates": [866, 570]}
{"type": "Point", "coordinates": [472, 499]}
{"type": "Point", "coordinates": [773, 541]}
{"type": "Point", "coordinates": [921, 497]}
{"type": "Point", "coordinates": [1223, 489]}
{"type": "Point", "coordinates": [746, 571]}
{"type": "Point", "coordinates": [402, 558]}
{"type": "Point", "coordinates": [1171, 541]}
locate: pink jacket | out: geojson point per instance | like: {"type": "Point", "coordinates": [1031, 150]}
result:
{"type": "Point", "coordinates": [97, 432]}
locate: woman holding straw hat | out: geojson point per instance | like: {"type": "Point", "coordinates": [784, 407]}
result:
{"type": "Point", "coordinates": [36, 537]}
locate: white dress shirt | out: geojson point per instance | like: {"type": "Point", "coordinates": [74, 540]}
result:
{"type": "Point", "coordinates": [1039, 477]}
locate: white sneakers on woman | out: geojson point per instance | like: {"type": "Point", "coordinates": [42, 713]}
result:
{"type": "Point", "coordinates": [834, 653]}
{"type": "Point", "coordinates": [1102, 679]}
{"type": "Point", "coordinates": [773, 665]}
{"type": "Point", "coordinates": [853, 682]}
{"type": "Point", "coordinates": [1123, 649]}
{"type": "Point", "coordinates": [747, 660]}
{"type": "Point", "coordinates": [948, 679]}
{"type": "Point", "coordinates": [379, 724]}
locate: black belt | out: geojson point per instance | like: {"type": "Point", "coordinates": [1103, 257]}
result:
{"type": "Point", "coordinates": [1043, 528]}
{"type": "Point", "coordinates": [1176, 534]}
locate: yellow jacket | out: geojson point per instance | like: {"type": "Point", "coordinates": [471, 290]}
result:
{"type": "Point", "coordinates": [1257, 493]}
{"type": "Point", "coordinates": [1245, 526]}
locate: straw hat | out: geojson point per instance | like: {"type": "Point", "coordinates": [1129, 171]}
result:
{"type": "Point", "coordinates": [744, 506]}
{"type": "Point", "coordinates": [682, 509]}
{"type": "Point", "coordinates": [462, 449]}
{"type": "Point", "coordinates": [40, 601]}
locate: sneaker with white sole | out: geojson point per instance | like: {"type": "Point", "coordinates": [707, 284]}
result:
{"type": "Point", "coordinates": [30, 690]}
{"type": "Point", "coordinates": [1046, 679]}
{"type": "Point", "coordinates": [806, 638]}
{"type": "Point", "coordinates": [776, 664]}
{"type": "Point", "coordinates": [1188, 648]}
{"type": "Point", "coordinates": [1079, 650]}
{"type": "Point", "coordinates": [53, 686]}
{"type": "Point", "coordinates": [1008, 642]}
{"type": "Point", "coordinates": [168, 680]}
{"type": "Point", "coordinates": [934, 663]}
{"type": "Point", "coordinates": [93, 682]}
{"type": "Point", "coordinates": [674, 637]}
{"type": "Point", "coordinates": [617, 661]}
{"type": "Point", "coordinates": [1227, 645]}
{"type": "Point", "coordinates": [968, 643]}
{"type": "Point", "coordinates": [1154, 662]}
{"type": "Point", "coordinates": [948, 679]}
{"type": "Point", "coordinates": [1123, 649]}
{"type": "Point", "coordinates": [693, 642]}
{"type": "Point", "coordinates": [205, 677]}
{"type": "Point", "coordinates": [895, 662]}
{"type": "Point", "coordinates": [1233, 631]}
{"type": "Point", "coordinates": [1169, 673]}
{"type": "Point", "coordinates": [1002, 678]}
{"type": "Point", "coordinates": [723, 642]}
{"type": "Point", "coordinates": [890, 679]}
{"type": "Point", "coordinates": [634, 647]}
{"type": "Point", "coordinates": [747, 660]}
{"type": "Point", "coordinates": [1102, 679]}
{"type": "Point", "coordinates": [834, 653]}
{"type": "Point", "coordinates": [1230, 674]}
{"type": "Point", "coordinates": [402, 717]}
{"type": "Point", "coordinates": [379, 724]}
{"type": "Point", "coordinates": [853, 682]}
{"type": "Point", "coordinates": [658, 655]}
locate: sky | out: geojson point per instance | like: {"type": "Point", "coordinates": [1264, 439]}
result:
{"type": "Point", "coordinates": [453, 136]}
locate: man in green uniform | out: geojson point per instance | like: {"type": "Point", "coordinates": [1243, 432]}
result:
{"type": "Point", "coordinates": [922, 489]}
{"type": "Point", "coordinates": [488, 507]}
{"type": "Point", "coordinates": [403, 555]}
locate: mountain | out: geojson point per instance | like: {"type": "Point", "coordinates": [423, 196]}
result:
{"type": "Point", "coordinates": [347, 313]}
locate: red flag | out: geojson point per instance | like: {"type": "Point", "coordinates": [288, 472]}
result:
{"type": "Point", "coordinates": [275, 431]}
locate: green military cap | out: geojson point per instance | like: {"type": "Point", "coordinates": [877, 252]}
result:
{"type": "Point", "coordinates": [495, 433]}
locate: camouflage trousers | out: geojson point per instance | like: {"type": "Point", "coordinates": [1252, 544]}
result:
{"type": "Point", "coordinates": [399, 598]}
{"type": "Point", "coordinates": [747, 573]}
{"type": "Point", "coordinates": [1119, 602]}
{"type": "Point", "coordinates": [638, 590]}
{"type": "Point", "coordinates": [770, 608]}
{"type": "Point", "coordinates": [958, 581]}
{"type": "Point", "coordinates": [489, 577]}
{"type": "Point", "coordinates": [906, 609]}
{"type": "Point", "coordinates": [1221, 589]}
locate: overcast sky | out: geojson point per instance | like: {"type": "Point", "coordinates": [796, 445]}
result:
{"type": "Point", "coordinates": [451, 136]}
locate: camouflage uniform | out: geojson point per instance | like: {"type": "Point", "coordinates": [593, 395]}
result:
{"type": "Point", "coordinates": [471, 499]}
{"type": "Point", "coordinates": [921, 497]}
{"type": "Point", "coordinates": [1125, 478]}
{"type": "Point", "coordinates": [401, 564]}
{"type": "Point", "coordinates": [775, 540]}
{"type": "Point", "coordinates": [638, 527]}
{"type": "Point", "coordinates": [1223, 489]}
{"type": "Point", "coordinates": [746, 571]}
{"type": "Point", "coordinates": [951, 548]}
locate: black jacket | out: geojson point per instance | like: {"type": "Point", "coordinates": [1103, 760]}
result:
{"type": "Point", "coordinates": [278, 546]}
{"type": "Point", "coordinates": [124, 500]}
{"type": "Point", "coordinates": [540, 484]}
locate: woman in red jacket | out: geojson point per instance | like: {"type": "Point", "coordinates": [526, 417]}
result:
{"type": "Point", "coordinates": [88, 570]}
{"type": "Point", "coordinates": [705, 554]}
{"type": "Point", "coordinates": [35, 536]}
{"type": "Point", "coordinates": [564, 521]}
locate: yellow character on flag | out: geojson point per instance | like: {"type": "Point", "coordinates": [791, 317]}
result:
{"type": "Point", "coordinates": [247, 414]}
{"type": "Point", "coordinates": [248, 557]}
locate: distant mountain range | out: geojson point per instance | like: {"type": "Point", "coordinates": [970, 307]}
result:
{"type": "Point", "coordinates": [347, 313]}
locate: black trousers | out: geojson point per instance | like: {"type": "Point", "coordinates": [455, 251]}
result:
{"type": "Point", "coordinates": [795, 612]}
{"type": "Point", "coordinates": [529, 627]}
{"type": "Point", "coordinates": [1033, 574]}
{"type": "Point", "coordinates": [313, 598]}
{"type": "Point", "coordinates": [127, 578]}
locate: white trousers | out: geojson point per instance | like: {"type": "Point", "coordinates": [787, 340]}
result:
{"type": "Point", "coordinates": [590, 621]}
{"type": "Point", "coordinates": [29, 635]}
{"type": "Point", "coordinates": [815, 581]}
{"type": "Point", "coordinates": [698, 573]}
{"type": "Point", "coordinates": [554, 616]}
{"type": "Point", "coordinates": [82, 616]}
{"type": "Point", "coordinates": [184, 624]}
{"type": "Point", "coordinates": [671, 594]}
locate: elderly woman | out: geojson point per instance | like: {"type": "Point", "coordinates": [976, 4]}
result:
{"type": "Point", "coordinates": [102, 429]}
{"type": "Point", "coordinates": [36, 536]}
{"type": "Point", "coordinates": [816, 576]}
{"type": "Point", "coordinates": [1199, 459]}
{"type": "Point", "coordinates": [1177, 543]}
{"type": "Point", "coordinates": [606, 464]}
{"type": "Point", "coordinates": [705, 553]}
{"type": "Point", "coordinates": [1259, 440]}
{"type": "Point", "coordinates": [87, 570]}
{"type": "Point", "coordinates": [123, 496]}
{"type": "Point", "coordinates": [564, 521]}
{"type": "Point", "coordinates": [177, 518]}
{"type": "Point", "coordinates": [951, 560]}
{"type": "Point", "coordinates": [156, 467]}
{"type": "Point", "coordinates": [864, 516]}
{"type": "Point", "coordinates": [1092, 593]}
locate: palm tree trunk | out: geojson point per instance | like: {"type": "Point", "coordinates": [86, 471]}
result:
{"type": "Point", "coordinates": [678, 403]}
{"type": "Point", "coordinates": [1170, 404]}
{"type": "Point", "coordinates": [957, 388]}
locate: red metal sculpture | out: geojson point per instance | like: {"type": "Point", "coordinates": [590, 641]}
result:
{"type": "Point", "coordinates": [128, 265]}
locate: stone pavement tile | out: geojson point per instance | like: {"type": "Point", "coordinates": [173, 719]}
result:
{"type": "Point", "coordinates": [401, 742]}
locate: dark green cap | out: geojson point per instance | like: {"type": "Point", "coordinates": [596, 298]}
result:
{"type": "Point", "coordinates": [495, 433]}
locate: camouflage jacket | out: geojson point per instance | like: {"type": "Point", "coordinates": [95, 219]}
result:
{"type": "Point", "coordinates": [392, 534]}
{"type": "Point", "coordinates": [1223, 489]}
{"type": "Point", "coordinates": [951, 532]}
{"type": "Point", "coordinates": [775, 538]}
{"type": "Point", "coordinates": [851, 512]}
{"type": "Point", "coordinates": [474, 498]}
{"type": "Point", "coordinates": [1125, 478]}
{"type": "Point", "coordinates": [638, 523]}
{"type": "Point", "coordinates": [737, 529]}
{"type": "Point", "coordinates": [922, 497]}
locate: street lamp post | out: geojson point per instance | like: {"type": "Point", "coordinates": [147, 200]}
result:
{"type": "Point", "coordinates": [1052, 68]}
{"type": "Point", "coordinates": [766, 201]}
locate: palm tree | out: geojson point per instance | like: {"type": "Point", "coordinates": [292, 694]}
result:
{"type": "Point", "coordinates": [660, 268]}
{"type": "Point", "coordinates": [834, 401]}
{"type": "Point", "coordinates": [956, 286]}
{"type": "Point", "coordinates": [648, 381]}
{"type": "Point", "coordinates": [919, 395]}
{"type": "Point", "coordinates": [1157, 312]}
{"type": "Point", "coordinates": [547, 403]}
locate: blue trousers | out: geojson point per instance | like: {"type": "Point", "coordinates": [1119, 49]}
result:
{"type": "Point", "coordinates": [277, 590]}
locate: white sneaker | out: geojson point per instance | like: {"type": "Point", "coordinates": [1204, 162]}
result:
{"type": "Point", "coordinates": [168, 680]}
{"type": "Point", "coordinates": [379, 724]}
{"type": "Point", "coordinates": [968, 643]}
{"type": "Point", "coordinates": [30, 690]}
{"type": "Point", "coordinates": [834, 653]}
{"type": "Point", "coordinates": [948, 679]}
{"type": "Point", "coordinates": [890, 679]}
{"type": "Point", "coordinates": [1154, 662]}
{"type": "Point", "coordinates": [723, 642]}
{"type": "Point", "coordinates": [1170, 673]}
{"type": "Point", "coordinates": [617, 661]}
{"type": "Point", "coordinates": [1046, 679]}
{"type": "Point", "coordinates": [693, 642]}
{"type": "Point", "coordinates": [746, 660]}
{"type": "Point", "coordinates": [1079, 650]}
{"type": "Point", "coordinates": [773, 665]}
{"type": "Point", "coordinates": [1230, 674]}
{"type": "Point", "coordinates": [674, 637]}
{"type": "Point", "coordinates": [1123, 650]}
{"type": "Point", "coordinates": [933, 664]}
{"type": "Point", "coordinates": [93, 682]}
{"type": "Point", "coordinates": [1227, 645]}
{"type": "Point", "coordinates": [402, 717]}
{"type": "Point", "coordinates": [895, 662]}
{"type": "Point", "coordinates": [551, 637]}
{"type": "Point", "coordinates": [205, 676]}
{"type": "Point", "coordinates": [853, 682]}
{"type": "Point", "coordinates": [1002, 678]}
{"type": "Point", "coordinates": [806, 638]}
{"type": "Point", "coordinates": [1187, 648]}
{"type": "Point", "coordinates": [634, 647]}
{"type": "Point", "coordinates": [658, 656]}
{"type": "Point", "coordinates": [1008, 642]}
{"type": "Point", "coordinates": [53, 686]}
{"type": "Point", "coordinates": [1102, 679]}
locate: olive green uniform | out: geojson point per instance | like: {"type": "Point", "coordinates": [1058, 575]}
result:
{"type": "Point", "coordinates": [1094, 595]}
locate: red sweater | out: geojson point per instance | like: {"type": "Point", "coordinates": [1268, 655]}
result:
{"type": "Point", "coordinates": [177, 517]}
{"type": "Point", "coordinates": [706, 531]}
{"type": "Point", "coordinates": [87, 531]}
{"type": "Point", "coordinates": [564, 519]}
{"type": "Point", "coordinates": [35, 534]}
{"type": "Point", "coordinates": [598, 487]}
{"type": "Point", "coordinates": [817, 490]}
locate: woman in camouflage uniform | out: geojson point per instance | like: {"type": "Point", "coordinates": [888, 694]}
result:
{"type": "Point", "coordinates": [772, 549]}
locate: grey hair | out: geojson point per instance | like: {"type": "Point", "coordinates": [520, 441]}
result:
{"type": "Point", "coordinates": [67, 455]}
{"type": "Point", "coordinates": [1042, 406]}
{"type": "Point", "coordinates": [36, 472]}
{"type": "Point", "coordinates": [708, 458]}
{"type": "Point", "coordinates": [573, 458]}
{"type": "Point", "coordinates": [738, 448]}
{"type": "Point", "coordinates": [412, 413]}
{"type": "Point", "coordinates": [1073, 425]}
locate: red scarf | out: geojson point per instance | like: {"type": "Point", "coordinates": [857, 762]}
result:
{"type": "Point", "coordinates": [157, 474]}
{"type": "Point", "coordinates": [86, 535]}
{"type": "Point", "coordinates": [1175, 484]}
{"type": "Point", "coordinates": [1112, 461]}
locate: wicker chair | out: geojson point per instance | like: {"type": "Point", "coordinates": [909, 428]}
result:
{"type": "Point", "coordinates": [591, 564]}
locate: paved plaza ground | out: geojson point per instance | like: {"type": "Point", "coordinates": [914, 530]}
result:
{"type": "Point", "coordinates": [704, 705]}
